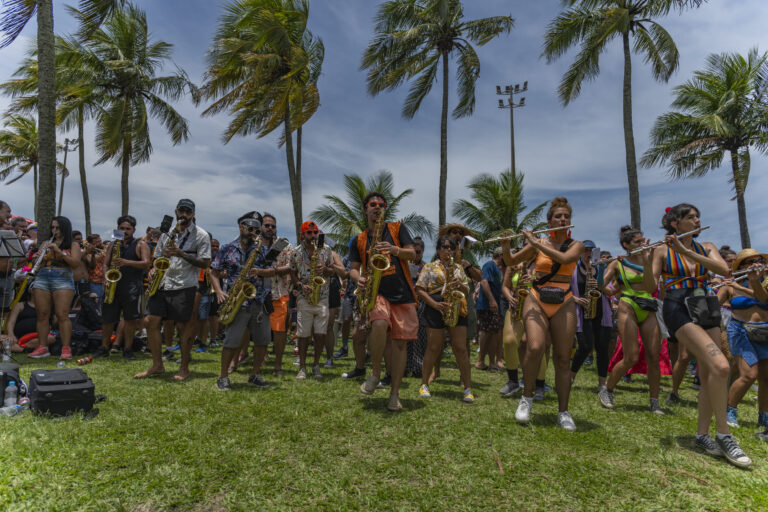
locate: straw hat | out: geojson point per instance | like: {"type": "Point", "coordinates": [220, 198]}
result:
{"type": "Point", "coordinates": [745, 254]}
{"type": "Point", "coordinates": [444, 230]}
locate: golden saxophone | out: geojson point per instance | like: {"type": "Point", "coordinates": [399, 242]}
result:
{"type": "Point", "coordinates": [113, 275]}
{"type": "Point", "coordinates": [241, 290]}
{"type": "Point", "coordinates": [315, 281]}
{"type": "Point", "coordinates": [591, 293]}
{"type": "Point", "coordinates": [377, 264]}
{"type": "Point", "coordinates": [162, 264]}
{"type": "Point", "coordinates": [521, 292]}
{"type": "Point", "coordinates": [452, 296]}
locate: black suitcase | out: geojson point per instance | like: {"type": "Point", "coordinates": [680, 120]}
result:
{"type": "Point", "coordinates": [60, 392]}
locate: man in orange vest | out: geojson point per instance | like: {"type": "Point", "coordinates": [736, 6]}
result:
{"type": "Point", "coordinates": [394, 310]}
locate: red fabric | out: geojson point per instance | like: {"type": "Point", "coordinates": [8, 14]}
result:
{"type": "Point", "coordinates": [22, 342]}
{"type": "Point", "coordinates": [641, 367]}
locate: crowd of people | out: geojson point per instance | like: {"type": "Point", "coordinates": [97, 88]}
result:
{"type": "Point", "coordinates": [551, 299]}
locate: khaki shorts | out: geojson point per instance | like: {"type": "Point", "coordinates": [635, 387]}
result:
{"type": "Point", "coordinates": [311, 319]}
{"type": "Point", "coordinates": [403, 319]}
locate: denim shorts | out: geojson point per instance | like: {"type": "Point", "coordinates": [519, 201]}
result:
{"type": "Point", "coordinates": [741, 346]}
{"type": "Point", "coordinates": [204, 308]}
{"type": "Point", "coordinates": [52, 279]}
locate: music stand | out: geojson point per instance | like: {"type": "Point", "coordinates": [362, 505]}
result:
{"type": "Point", "coordinates": [10, 245]}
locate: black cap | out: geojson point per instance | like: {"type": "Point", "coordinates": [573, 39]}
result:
{"type": "Point", "coordinates": [186, 203]}
{"type": "Point", "coordinates": [251, 222]}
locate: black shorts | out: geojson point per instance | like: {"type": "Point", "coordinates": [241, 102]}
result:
{"type": "Point", "coordinates": [173, 305]}
{"type": "Point", "coordinates": [334, 293]}
{"type": "Point", "coordinates": [674, 310]}
{"type": "Point", "coordinates": [126, 302]}
{"type": "Point", "coordinates": [433, 319]}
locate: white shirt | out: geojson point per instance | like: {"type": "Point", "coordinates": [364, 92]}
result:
{"type": "Point", "coordinates": [182, 274]}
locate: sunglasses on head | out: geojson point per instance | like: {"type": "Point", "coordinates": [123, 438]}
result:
{"type": "Point", "coordinates": [377, 204]}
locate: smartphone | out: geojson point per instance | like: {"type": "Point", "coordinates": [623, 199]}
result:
{"type": "Point", "coordinates": [118, 234]}
{"type": "Point", "coordinates": [166, 224]}
{"type": "Point", "coordinates": [275, 250]}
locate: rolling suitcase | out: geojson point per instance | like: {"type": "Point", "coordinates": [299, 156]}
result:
{"type": "Point", "coordinates": [60, 392]}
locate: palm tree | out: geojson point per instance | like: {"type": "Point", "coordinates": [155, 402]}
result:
{"type": "Point", "coordinates": [413, 39]}
{"type": "Point", "coordinates": [593, 24]}
{"type": "Point", "coordinates": [262, 69]}
{"type": "Point", "coordinates": [120, 63]}
{"type": "Point", "coordinates": [724, 108]}
{"type": "Point", "coordinates": [345, 219]}
{"type": "Point", "coordinates": [13, 18]}
{"type": "Point", "coordinates": [19, 152]}
{"type": "Point", "coordinates": [496, 204]}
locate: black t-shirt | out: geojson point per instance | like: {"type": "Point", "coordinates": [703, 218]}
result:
{"type": "Point", "coordinates": [393, 286]}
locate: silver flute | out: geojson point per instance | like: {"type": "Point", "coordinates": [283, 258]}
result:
{"type": "Point", "coordinates": [652, 246]}
{"type": "Point", "coordinates": [40, 258]}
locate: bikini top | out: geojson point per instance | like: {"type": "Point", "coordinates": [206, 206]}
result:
{"type": "Point", "coordinates": [747, 302]}
{"type": "Point", "coordinates": [544, 264]}
{"type": "Point", "coordinates": [630, 274]}
{"type": "Point", "coordinates": [678, 274]}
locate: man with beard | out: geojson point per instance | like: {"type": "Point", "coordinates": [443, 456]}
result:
{"type": "Point", "coordinates": [281, 289]}
{"type": "Point", "coordinates": [253, 314]}
{"type": "Point", "coordinates": [189, 249]}
{"type": "Point", "coordinates": [132, 261]}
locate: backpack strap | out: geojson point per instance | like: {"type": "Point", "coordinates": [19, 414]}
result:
{"type": "Point", "coordinates": [394, 231]}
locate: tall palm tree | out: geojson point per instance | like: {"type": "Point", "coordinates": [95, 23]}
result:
{"type": "Point", "coordinates": [592, 24]}
{"type": "Point", "coordinates": [263, 69]}
{"type": "Point", "coordinates": [724, 108]}
{"type": "Point", "coordinates": [497, 202]}
{"type": "Point", "coordinates": [13, 18]}
{"type": "Point", "coordinates": [413, 39]}
{"type": "Point", "coordinates": [19, 151]}
{"type": "Point", "coordinates": [120, 63]}
{"type": "Point", "coordinates": [344, 218]}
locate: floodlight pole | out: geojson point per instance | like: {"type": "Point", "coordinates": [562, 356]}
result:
{"type": "Point", "coordinates": [510, 91]}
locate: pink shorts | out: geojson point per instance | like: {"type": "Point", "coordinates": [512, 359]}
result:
{"type": "Point", "coordinates": [403, 319]}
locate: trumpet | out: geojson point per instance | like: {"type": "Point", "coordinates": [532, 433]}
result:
{"type": "Point", "coordinates": [652, 246]}
{"type": "Point", "coordinates": [520, 235]}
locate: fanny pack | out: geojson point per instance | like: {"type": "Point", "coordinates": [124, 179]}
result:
{"type": "Point", "coordinates": [646, 304]}
{"type": "Point", "coordinates": [757, 333]}
{"type": "Point", "coordinates": [704, 310]}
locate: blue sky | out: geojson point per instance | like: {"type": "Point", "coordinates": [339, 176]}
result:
{"type": "Point", "coordinates": [577, 151]}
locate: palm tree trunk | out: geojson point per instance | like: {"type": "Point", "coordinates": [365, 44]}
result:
{"type": "Point", "coordinates": [63, 176]}
{"type": "Point", "coordinates": [741, 206]}
{"type": "Point", "coordinates": [83, 183]}
{"type": "Point", "coordinates": [443, 145]}
{"type": "Point", "coordinates": [126, 164]}
{"type": "Point", "coordinates": [292, 178]}
{"type": "Point", "coordinates": [629, 139]}
{"type": "Point", "coordinates": [298, 159]}
{"type": "Point", "coordinates": [35, 178]}
{"type": "Point", "coordinates": [46, 105]}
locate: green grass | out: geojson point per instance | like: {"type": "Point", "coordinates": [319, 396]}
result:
{"type": "Point", "coordinates": [322, 445]}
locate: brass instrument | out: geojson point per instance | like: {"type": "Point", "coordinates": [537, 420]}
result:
{"type": "Point", "coordinates": [452, 296]}
{"type": "Point", "coordinates": [113, 275]}
{"type": "Point", "coordinates": [377, 264]}
{"type": "Point", "coordinates": [315, 281]}
{"type": "Point", "coordinates": [591, 293]}
{"type": "Point", "coordinates": [521, 292]}
{"type": "Point", "coordinates": [241, 290]}
{"type": "Point", "coordinates": [520, 235]}
{"type": "Point", "coordinates": [162, 264]}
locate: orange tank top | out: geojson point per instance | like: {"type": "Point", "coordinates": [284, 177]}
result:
{"type": "Point", "coordinates": [544, 266]}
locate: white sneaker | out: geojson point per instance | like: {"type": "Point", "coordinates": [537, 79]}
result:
{"type": "Point", "coordinates": [523, 413]}
{"type": "Point", "coordinates": [565, 420]}
{"type": "Point", "coordinates": [370, 385]}
{"type": "Point", "coordinates": [302, 374]}
{"type": "Point", "coordinates": [316, 373]}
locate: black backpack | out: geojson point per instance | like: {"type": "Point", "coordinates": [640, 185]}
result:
{"type": "Point", "coordinates": [89, 315]}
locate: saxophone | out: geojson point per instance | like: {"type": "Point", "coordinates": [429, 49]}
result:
{"type": "Point", "coordinates": [521, 292]}
{"type": "Point", "coordinates": [113, 275]}
{"type": "Point", "coordinates": [377, 264]}
{"type": "Point", "coordinates": [452, 296]}
{"type": "Point", "coordinates": [241, 290]}
{"type": "Point", "coordinates": [315, 281]}
{"type": "Point", "coordinates": [591, 293]}
{"type": "Point", "coordinates": [162, 264]}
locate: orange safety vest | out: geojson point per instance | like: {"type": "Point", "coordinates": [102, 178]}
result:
{"type": "Point", "coordinates": [394, 231]}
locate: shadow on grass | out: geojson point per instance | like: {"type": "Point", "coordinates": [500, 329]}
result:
{"type": "Point", "coordinates": [379, 405]}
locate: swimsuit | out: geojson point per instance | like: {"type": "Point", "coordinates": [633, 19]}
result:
{"type": "Point", "coordinates": [681, 282]}
{"type": "Point", "coordinates": [561, 279]}
{"type": "Point", "coordinates": [630, 274]}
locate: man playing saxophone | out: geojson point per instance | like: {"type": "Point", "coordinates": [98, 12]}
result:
{"type": "Point", "coordinates": [132, 262]}
{"type": "Point", "coordinates": [253, 314]}
{"type": "Point", "coordinates": [310, 267]}
{"type": "Point", "coordinates": [393, 314]}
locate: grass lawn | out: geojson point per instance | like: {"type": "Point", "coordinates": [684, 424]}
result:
{"type": "Point", "coordinates": [322, 445]}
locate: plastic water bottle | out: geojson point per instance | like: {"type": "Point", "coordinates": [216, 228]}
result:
{"type": "Point", "coordinates": [61, 364]}
{"type": "Point", "coordinates": [7, 350]}
{"type": "Point", "coordinates": [10, 410]}
{"type": "Point", "coordinates": [11, 394]}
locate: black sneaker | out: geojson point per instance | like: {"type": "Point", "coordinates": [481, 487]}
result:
{"type": "Point", "coordinates": [223, 384]}
{"type": "Point", "coordinates": [100, 352]}
{"type": "Point", "coordinates": [696, 384]}
{"type": "Point", "coordinates": [673, 398]}
{"type": "Point", "coordinates": [386, 381]}
{"type": "Point", "coordinates": [115, 349]}
{"type": "Point", "coordinates": [168, 355]}
{"type": "Point", "coordinates": [357, 372]}
{"type": "Point", "coordinates": [343, 351]}
{"type": "Point", "coordinates": [588, 361]}
{"type": "Point", "coordinates": [732, 452]}
{"type": "Point", "coordinates": [709, 445]}
{"type": "Point", "coordinates": [128, 355]}
{"type": "Point", "coordinates": [258, 381]}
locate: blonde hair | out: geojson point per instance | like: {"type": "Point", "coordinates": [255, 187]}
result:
{"type": "Point", "coordinates": [558, 202]}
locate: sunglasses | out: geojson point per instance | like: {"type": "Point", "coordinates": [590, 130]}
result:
{"type": "Point", "coordinates": [184, 209]}
{"type": "Point", "coordinates": [446, 247]}
{"type": "Point", "coordinates": [377, 204]}
{"type": "Point", "coordinates": [250, 229]}
{"type": "Point", "coordinates": [311, 232]}
{"type": "Point", "coordinates": [268, 226]}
